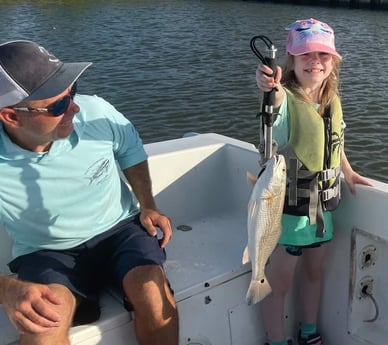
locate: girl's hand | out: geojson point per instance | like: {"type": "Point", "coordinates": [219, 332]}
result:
{"type": "Point", "coordinates": [354, 178]}
{"type": "Point", "coordinates": [264, 80]}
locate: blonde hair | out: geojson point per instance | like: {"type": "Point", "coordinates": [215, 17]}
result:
{"type": "Point", "coordinates": [329, 88]}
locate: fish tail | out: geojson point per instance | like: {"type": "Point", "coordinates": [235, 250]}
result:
{"type": "Point", "coordinates": [258, 290]}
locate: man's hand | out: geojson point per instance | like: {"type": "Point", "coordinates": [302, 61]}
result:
{"type": "Point", "coordinates": [151, 219]}
{"type": "Point", "coordinates": [29, 305]}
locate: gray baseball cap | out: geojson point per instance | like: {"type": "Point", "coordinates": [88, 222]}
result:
{"type": "Point", "coordinates": [28, 72]}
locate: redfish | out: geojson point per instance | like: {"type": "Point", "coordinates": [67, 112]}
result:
{"type": "Point", "coordinates": [265, 210]}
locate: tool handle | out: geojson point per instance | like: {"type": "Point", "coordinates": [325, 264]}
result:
{"type": "Point", "coordinates": [269, 97]}
{"type": "Point", "coordinates": [268, 103]}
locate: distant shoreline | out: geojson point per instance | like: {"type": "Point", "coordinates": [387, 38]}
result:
{"type": "Point", "coordinates": [352, 4]}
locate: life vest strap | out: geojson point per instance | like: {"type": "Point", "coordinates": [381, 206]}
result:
{"type": "Point", "coordinates": [314, 200]}
{"type": "Point", "coordinates": [293, 178]}
{"type": "Point", "coordinates": [315, 208]}
{"type": "Point", "coordinates": [327, 194]}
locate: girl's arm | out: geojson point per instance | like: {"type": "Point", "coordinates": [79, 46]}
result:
{"type": "Point", "coordinates": [351, 177]}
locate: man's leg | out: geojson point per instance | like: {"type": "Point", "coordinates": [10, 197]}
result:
{"type": "Point", "coordinates": [58, 335]}
{"type": "Point", "coordinates": [156, 316]}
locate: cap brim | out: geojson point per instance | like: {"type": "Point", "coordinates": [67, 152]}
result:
{"type": "Point", "coordinates": [60, 81]}
{"type": "Point", "coordinates": [307, 50]}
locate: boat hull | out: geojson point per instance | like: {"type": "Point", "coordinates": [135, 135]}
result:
{"type": "Point", "coordinates": [200, 182]}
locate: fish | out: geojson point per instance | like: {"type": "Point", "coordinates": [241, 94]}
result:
{"type": "Point", "coordinates": [265, 208]}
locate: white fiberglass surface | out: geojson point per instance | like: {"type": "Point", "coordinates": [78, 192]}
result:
{"type": "Point", "coordinates": [208, 254]}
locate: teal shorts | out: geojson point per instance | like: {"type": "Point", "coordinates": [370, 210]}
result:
{"type": "Point", "coordinates": [297, 231]}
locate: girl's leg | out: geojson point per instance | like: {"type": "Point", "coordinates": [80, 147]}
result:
{"type": "Point", "coordinates": [280, 272]}
{"type": "Point", "coordinates": [310, 282]}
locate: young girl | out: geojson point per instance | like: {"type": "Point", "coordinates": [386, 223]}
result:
{"type": "Point", "coordinates": [309, 132]}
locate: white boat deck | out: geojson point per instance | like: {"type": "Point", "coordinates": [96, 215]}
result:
{"type": "Point", "coordinates": [200, 182]}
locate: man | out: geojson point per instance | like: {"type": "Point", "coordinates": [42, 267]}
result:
{"type": "Point", "coordinates": [72, 219]}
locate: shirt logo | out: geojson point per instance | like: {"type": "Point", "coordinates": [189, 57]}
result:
{"type": "Point", "coordinates": [97, 172]}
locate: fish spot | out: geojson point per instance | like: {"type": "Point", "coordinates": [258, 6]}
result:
{"type": "Point", "coordinates": [262, 281]}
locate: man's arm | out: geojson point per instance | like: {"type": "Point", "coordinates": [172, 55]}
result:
{"type": "Point", "coordinates": [139, 178]}
{"type": "Point", "coordinates": [4, 280]}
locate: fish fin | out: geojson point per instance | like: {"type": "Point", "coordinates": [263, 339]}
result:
{"type": "Point", "coordinates": [245, 257]}
{"type": "Point", "coordinates": [258, 290]}
{"type": "Point", "coordinates": [251, 177]}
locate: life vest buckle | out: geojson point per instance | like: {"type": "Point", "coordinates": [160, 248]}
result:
{"type": "Point", "coordinates": [328, 174]}
{"type": "Point", "coordinates": [330, 193]}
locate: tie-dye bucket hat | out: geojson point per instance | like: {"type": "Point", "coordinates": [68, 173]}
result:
{"type": "Point", "coordinates": [310, 35]}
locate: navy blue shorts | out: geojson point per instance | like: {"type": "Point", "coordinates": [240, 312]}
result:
{"type": "Point", "coordinates": [100, 261]}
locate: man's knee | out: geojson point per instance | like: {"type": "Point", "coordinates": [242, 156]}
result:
{"type": "Point", "coordinates": [141, 276]}
{"type": "Point", "coordinates": [66, 309]}
{"type": "Point", "coordinates": [147, 285]}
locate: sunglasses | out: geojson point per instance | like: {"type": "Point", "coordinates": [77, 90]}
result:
{"type": "Point", "coordinates": [58, 107]}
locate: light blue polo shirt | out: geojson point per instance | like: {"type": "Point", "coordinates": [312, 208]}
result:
{"type": "Point", "coordinates": [63, 197]}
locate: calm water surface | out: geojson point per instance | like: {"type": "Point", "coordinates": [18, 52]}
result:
{"type": "Point", "coordinates": [173, 66]}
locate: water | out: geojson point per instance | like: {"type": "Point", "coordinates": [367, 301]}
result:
{"type": "Point", "coordinates": [173, 66]}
